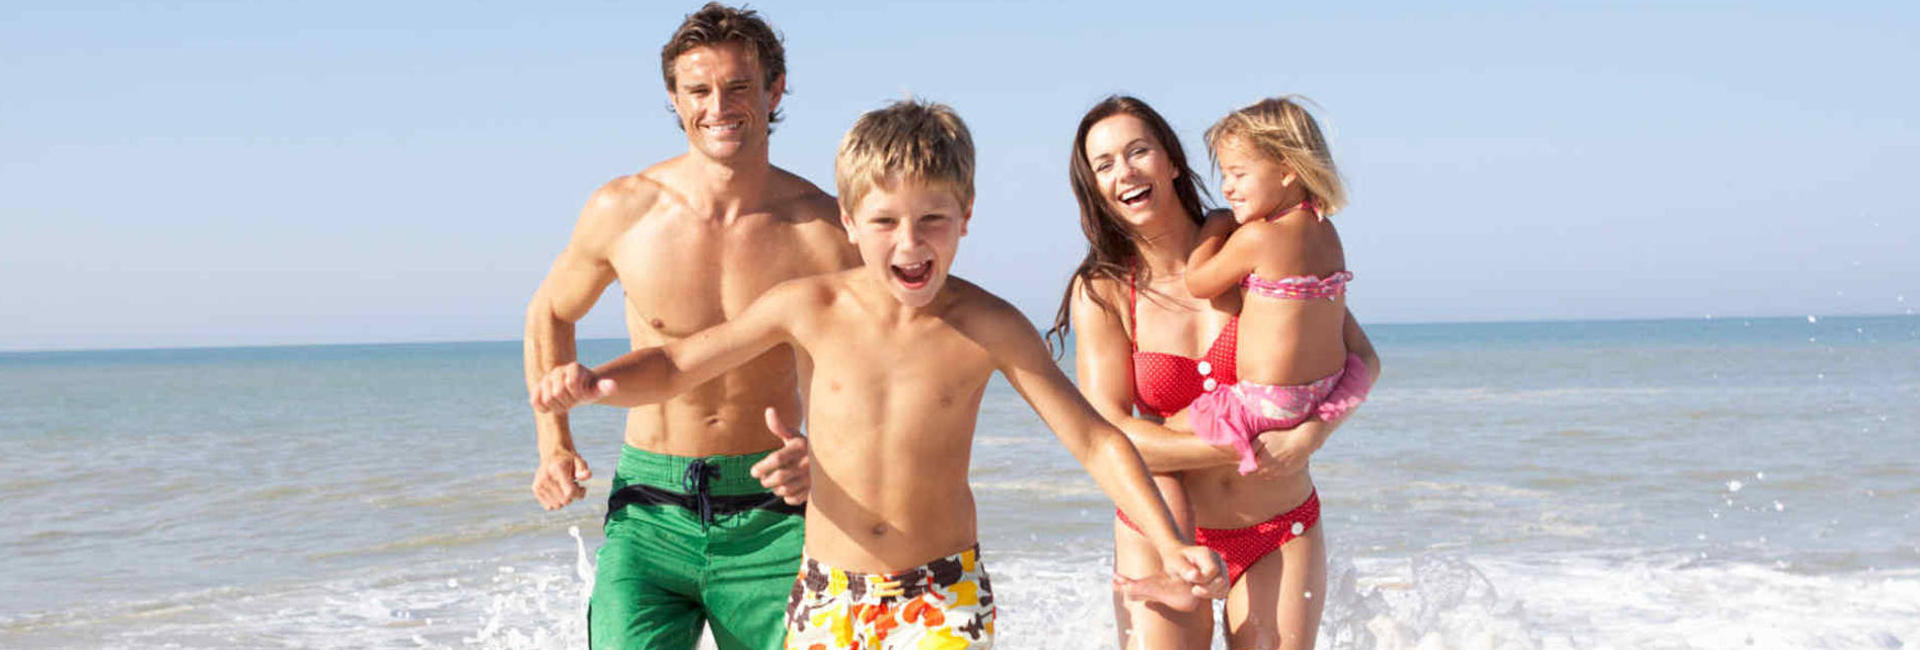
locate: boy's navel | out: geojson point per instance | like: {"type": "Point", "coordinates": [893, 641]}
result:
{"type": "Point", "coordinates": [879, 529]}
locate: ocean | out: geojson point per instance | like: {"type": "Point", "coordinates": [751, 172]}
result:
{"type": "Point", "coordinates": [1706, 483]}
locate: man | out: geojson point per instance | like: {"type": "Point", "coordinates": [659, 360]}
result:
{"type": "Point", "coordinates": [691, 536]}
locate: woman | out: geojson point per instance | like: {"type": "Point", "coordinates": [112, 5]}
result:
{"type": "Point", "coordinates": [1144, 341]}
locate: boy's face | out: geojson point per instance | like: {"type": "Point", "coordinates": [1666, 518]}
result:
{"type": "Point", "coordinates": [722, 100]}
{"type": "Point", "coordinates": [908, 232]}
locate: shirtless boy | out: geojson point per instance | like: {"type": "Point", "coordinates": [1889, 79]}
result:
{"type": "Point", "coordinates": [900, 355]}
{"type": "Point", "coordinates": [690, 535]}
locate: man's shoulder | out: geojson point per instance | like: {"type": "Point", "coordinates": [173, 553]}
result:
{"type": "Point", "coordinates": [799, 200]}
{"type": "Point", "coordinates": [814, 217]}
{"type": "Point", "coordinates": [634, 195]}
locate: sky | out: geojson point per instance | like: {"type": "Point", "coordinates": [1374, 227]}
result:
{"type": "Point", "coordinates": [237, 173]}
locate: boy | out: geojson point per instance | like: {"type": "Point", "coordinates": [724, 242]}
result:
{"type": "Point", "coordinates": [900, 355]}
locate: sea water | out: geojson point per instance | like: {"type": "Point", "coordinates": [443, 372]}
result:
{"type": "Point", "coordinates": [1712, 483]}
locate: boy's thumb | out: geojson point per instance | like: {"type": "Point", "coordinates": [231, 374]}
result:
{"type": "Point", "coordinates": [777, 427]}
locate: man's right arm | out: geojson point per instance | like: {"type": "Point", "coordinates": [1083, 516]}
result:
{"type": "Point", "coordinates": [578, 277]}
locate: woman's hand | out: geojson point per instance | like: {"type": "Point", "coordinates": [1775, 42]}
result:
{"type": "Point", "coordinates": [1285, 452]}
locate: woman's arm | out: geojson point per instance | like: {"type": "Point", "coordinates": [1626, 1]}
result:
{"type": "Point", "coordinates": [1103, 361]}
{"type": "Point", "coordinates": [1285, 451]}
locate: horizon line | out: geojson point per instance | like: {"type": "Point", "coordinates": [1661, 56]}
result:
{"type": "Point", "coordinates": [1519, 321]}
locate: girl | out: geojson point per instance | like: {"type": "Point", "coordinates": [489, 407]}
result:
{"type": "Point", "coordinates": [1281, 184]}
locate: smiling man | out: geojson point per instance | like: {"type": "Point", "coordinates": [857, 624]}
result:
{"type": "Point", "coordinates": [703, 524]}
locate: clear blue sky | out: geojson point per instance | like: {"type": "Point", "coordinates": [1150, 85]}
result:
{"type": "Point", "coordinates": [225, 173]}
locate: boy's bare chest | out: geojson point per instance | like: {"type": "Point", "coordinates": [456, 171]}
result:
{"type": "Point", "coordinates": [937, 365]}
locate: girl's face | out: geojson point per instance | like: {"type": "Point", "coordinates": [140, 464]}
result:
{"type": "Point", "coordinates": [1255, 185]}
{"type": "Point", "coordinates": [1133, 171]}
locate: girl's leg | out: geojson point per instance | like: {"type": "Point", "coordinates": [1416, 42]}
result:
{"type": "Point", "coordinates": [1277, 603]}
{"type": "Point", "coordinates": [1151, 626]}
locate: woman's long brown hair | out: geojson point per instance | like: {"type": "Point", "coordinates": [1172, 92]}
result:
{"type": "Point", "coordinates": [1113, 249]}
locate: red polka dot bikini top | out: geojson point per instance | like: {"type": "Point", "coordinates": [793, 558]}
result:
{"type": "Point", "coordinates": [1165, 383]}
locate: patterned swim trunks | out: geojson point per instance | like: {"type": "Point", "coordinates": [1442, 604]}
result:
{"type": "Point", "coordinates": [945, 604]}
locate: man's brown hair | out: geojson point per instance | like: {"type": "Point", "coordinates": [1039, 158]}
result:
{"type": "Point", "coordinates": [715, 24]}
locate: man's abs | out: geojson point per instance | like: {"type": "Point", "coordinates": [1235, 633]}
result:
{"type": "Point", "coordinates": [723, 416]}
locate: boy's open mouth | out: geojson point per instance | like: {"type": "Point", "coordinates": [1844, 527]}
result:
{"type": "Point", "coordinates": [1136, 197]}
{"type": "Point", "coordinates": [913, 275]}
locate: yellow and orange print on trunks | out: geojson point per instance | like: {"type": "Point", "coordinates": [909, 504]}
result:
{"type": "Point", "coordinates": [946, 604]}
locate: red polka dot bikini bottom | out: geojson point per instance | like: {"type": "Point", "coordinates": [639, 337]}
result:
{"type": "Point", "coordinates": [1241, 547]}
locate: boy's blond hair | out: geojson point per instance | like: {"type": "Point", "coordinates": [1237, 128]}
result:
{"type": "Point", "coordinates": [908, 139]}
{"type": "Point", "coordinates": [1281, 129]}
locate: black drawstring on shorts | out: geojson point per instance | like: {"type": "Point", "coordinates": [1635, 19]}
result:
{"type": "Point", "coordinates": [696, 481]}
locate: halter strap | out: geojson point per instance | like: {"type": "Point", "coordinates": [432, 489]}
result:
{"type": "Point", "coordinates": [1133, 313]}
{"type": "Point", "coordinates": [1307, 205]}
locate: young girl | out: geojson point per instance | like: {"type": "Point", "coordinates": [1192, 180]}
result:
{"type": "Point", "coordinates": [1281, 184]}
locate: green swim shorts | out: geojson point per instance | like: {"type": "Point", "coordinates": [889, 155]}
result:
{"type": "Point", "coordinates": [692, 540]}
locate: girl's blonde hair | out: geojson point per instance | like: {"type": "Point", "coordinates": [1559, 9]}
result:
{"type": "Point", "coordinates": [1281, 129]}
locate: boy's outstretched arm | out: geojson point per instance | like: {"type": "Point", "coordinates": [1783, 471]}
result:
{"type": "Point", "coordinates": [1104, 451]}
{"type": "Point", "coordinates": [655, 374]}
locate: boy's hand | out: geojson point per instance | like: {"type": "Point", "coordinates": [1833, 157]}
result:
{"type": "Point", "coordinates": [785, 471]}
{"type": "Point", "coordinates": [568, 386]}
{"type": "Point", "coordinates": [1199, 567]}
{"type": "Point", "coordinates": [556, 482]}
{"type": "Point", "coordinates": [1161, 588]}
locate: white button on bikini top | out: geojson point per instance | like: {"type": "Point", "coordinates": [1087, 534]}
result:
{"type": "Point", "coordinates": [1209, 384]}
{"type": "Point", "coordinates": [1204, 368]}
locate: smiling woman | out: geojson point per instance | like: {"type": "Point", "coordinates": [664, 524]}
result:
{"type": "Point", "coordinates": [1141, 365]}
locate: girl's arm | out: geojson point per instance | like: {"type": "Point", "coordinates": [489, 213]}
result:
{"type": "Point", "coordinates": [1104, 365]}
{"type": "Point", "coordinates": [655, 374]}
{"type": "Point", "coordinates": [1218, 264]}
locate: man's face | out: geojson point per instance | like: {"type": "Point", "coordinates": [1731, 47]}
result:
{"type": "Point", "coordinates": [722, 101]}
{"type": "Point", "coordinates": [908, 233]}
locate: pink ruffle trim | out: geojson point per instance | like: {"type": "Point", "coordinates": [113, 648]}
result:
{"type": "Point", "coordinates": [1347, 395]}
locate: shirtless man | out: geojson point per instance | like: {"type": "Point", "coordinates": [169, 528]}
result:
{"type": "Point", "coordinates": [691, 534]}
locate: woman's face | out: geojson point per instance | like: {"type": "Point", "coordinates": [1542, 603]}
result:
{"type": "Point", "coordinates": [1133, 171]}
